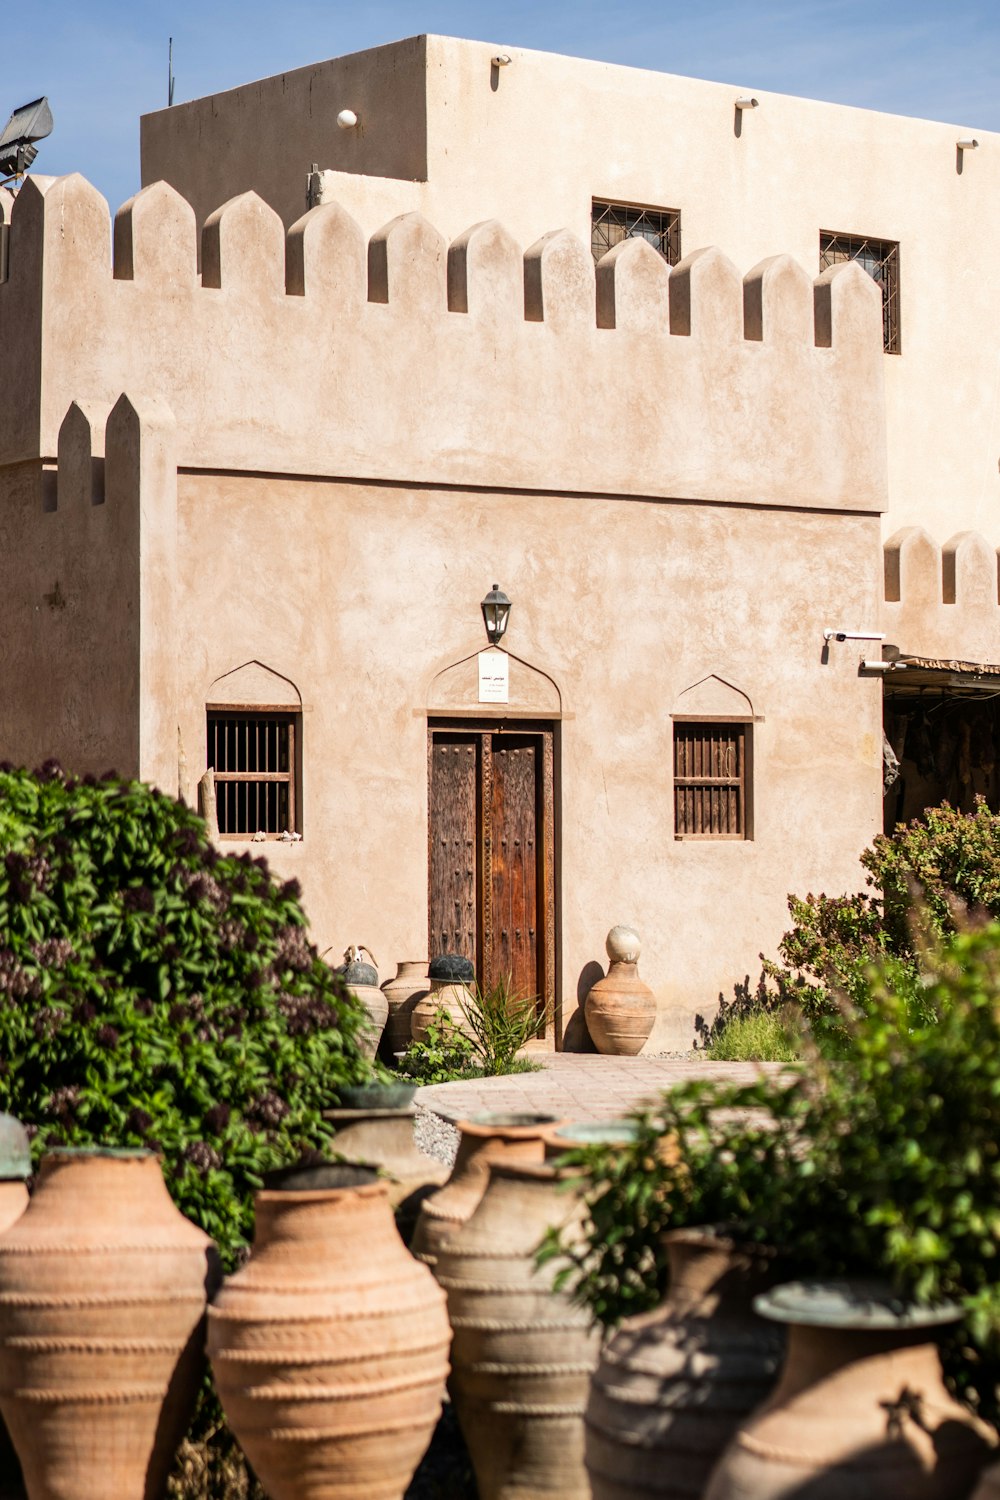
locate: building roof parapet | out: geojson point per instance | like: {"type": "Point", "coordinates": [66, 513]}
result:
{"type": "Point", "coordinates": [411, 360]}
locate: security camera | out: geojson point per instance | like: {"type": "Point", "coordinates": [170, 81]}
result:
{"type": "Point", "coordinates": [853, 635]}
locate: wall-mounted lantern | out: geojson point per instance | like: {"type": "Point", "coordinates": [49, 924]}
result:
{"type": "Point", "coordinates": [496, 613]}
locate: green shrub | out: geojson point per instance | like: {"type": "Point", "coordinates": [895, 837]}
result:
{"type": "Point", "coordinates": [920, 876]}
{"type": "Point", "coordinates": [155, 993]}
{"type": "Point", "coordinates": [883, 1162]}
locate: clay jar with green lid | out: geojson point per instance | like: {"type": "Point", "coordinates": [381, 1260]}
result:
{"type": "Point", "coordinates": [860, 1411]}
{"type": "Point", "coordinates": [103, 1285]}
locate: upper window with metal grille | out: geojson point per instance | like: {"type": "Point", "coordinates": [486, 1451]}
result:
{"type": "Point", "coordinates": [880, 258]}
{"type": "Point", "coordinates": [253, 757]}
{"type": "Point", "coordinates": [610, 223]}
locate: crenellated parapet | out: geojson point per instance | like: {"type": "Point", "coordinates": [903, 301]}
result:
{"type": "Point", "coordinates": [405, 358]}
{"type": "Point", "coordinates": [942, 602]}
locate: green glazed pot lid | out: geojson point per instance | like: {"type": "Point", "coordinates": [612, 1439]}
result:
{"type": "Point", "coordinates": [376, 1095]}
{"type": "Point", "coordinates": [15, 1150]}
{"type": "Point", "coordinates": [601, 1133]}
{"type": "Point", "coordinates": [850, 1304]}
{"type": "Point", "coordinates": [512, 1121]}
{"type": "Point", "coordinates": [115, 1153]}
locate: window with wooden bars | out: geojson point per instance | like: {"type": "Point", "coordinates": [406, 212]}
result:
{"type": "Point", "coordinates": [610, 223]}
{"type": "Point", "coordinates": [711, 780]}
{"type": "Point", "coordinates": [253, 755]}
{"type": "Point", "coordinates": [880, 258]}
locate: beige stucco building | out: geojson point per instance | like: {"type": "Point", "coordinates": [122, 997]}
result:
{"type": "Point", "coordinates": [260, 464]}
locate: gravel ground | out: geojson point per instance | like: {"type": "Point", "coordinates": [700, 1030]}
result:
{"type": "Point", "coordinates": [435, 1137]}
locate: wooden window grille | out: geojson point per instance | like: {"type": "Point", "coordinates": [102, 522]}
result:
{"type": "Point", "coordinates": [253, 756]}
{"type": "Point", "coordinates": [880, 258]}
{"type": "Point", "coordinates": [710, 780]}
{"type": "Point", "coordinates": [610, 223]}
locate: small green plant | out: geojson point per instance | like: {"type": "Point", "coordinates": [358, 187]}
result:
{"type": "Point", "coordinates": [444, 1055]}
{"type": "Point", "coordinates": [759, 1036]}
{"type": "Point", "coordinates": [500, 1023]}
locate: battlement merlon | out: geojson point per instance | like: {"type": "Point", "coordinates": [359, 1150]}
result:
{"type": "Point", "coordinates": [409, 360]}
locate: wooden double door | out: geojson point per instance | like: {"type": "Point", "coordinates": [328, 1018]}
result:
{"type": "Point", "coordinates": [491, 852]}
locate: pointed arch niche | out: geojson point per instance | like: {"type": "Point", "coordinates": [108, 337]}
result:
{"type": "Point", "coordinates": [713, 762]}
{"type": "Point", "coordinates": [454, 690]}
{"type": "Point", "coordinates": [253, 721]}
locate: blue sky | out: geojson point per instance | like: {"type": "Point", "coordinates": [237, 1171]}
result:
{"type": "Point", "coordinates": [104, 62]}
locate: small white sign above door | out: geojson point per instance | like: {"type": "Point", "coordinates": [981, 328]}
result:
{"type": "Point", "coordinates": [494, 677]}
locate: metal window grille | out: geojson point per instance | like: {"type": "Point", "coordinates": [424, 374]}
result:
{"type": "Point", "coordinates": [610, 223]}
{"type": "Point", "coordinates": [253, 757]}
{"type": "Point", "coordinates": [710, 776]}
{"type": "Point", "coordinates": [880, 258]}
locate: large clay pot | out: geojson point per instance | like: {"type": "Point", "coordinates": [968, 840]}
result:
{"type": "Point", "coordinates": [673, 1385]}
{"type": "Point", "coordinates": [102, 1299]}
{"type": "Point", "coordinates": [522, 1354]}
{"type": "Point", "coordinates": [403, 993]}
{"type": "Point", "coordinates": [384, 1138]}
{"type": "Point", "coordinates": [451, 977]}
{"type": "Point", "coordinates": [362, 980]}
{"type": "Point", "coordinates": [620, 1010]}
{"type": "Point", "coordinates": [482, 1140]}
{"type": "Point", "coordinates": [860, 1411]}
{"type": "Point", "coordinates": [330, 1346]}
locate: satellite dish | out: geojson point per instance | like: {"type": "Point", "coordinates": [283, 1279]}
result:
{"type": "Point", "coordinates": [29, 123]}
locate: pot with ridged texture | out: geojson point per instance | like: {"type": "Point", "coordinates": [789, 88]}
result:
{"type": "Point", "coordinates": [673, 1385]}
{"type": "Point", "coordinates": [450, 976]}
{"type": "Point", "coordinates": [482, 1140]}
{"type": "Point", "coordinates": [403, 993]}
{"type": "Point", "coordinates": [362, 980]}
{"type": "Point", "coordinates": [103, 1285]}
{"type": "Point", "coordinates": [619, 1009]}
{"type": "Point", "coordinates": [522, 1354]}
{"type": "Point", "coordinates": [330, 1347]}
{"type": "Point", "coordinates": [384, 1138]}
{"type": "Point", "coordinates": [860, 1411]}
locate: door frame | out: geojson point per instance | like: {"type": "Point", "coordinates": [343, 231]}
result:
{"type": "Point", "coordinates": [547, 731]}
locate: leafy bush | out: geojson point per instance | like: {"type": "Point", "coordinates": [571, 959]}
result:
{"type": "Point", "coordinates": [946, 861]}
{"type": "Point", "coordinates": [154, 993]}
{"type": "Point", "coordinates": [884, 1161]}
{"type": "Point", "coordinates": [444, 1055]}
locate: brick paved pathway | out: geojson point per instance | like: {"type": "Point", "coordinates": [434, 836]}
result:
{"type": "Point", "coordinates": [577, 1086]}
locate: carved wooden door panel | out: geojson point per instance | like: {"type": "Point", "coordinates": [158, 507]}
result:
{"type": "Point", "coordinates": [514, 863]}
{"type": "Point", "coordinates": [454, 855]}
{"type": "Point", "coordinates": [491, 852]}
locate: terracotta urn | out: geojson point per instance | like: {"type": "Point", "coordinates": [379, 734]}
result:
{"type": "Point", "coordinates": [102, 1301]}
{"type": "Point", "coordinates": [403, 992]}
{"type": "Point", "coordinates": [482, 1140]}
{"type": "Point", "coordinates": [451, 977]}
{"type": "Point", "coordinates": [620, 1010]}
{"type": "Point", "coordinates": [860, 1411]}
{"type": "Point", "coordinates": [673, 1385]}
{"type": "Point", "coordinates": [522, 1354]}
{"type": "Point", "coordinates": [362, 980]}
{"type": "Point", "coordinates": [383, 1138]}
{"type": "Point", "coordinates": [330, 1346]}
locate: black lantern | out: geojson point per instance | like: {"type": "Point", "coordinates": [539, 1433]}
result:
{"type": "Point", "coordinates": [496, 613]}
